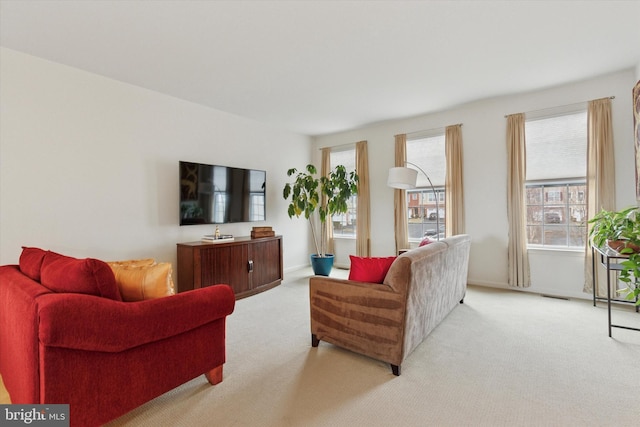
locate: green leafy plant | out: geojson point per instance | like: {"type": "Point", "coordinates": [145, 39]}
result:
{"type": "Point", "coordinates": [620, 230]}
{"type": "Point", "coordinates": [609, 226]}
{"type": "Point", "coordinates": [326, 195]}
{"type": "Point", "coordinates": [630, 274]}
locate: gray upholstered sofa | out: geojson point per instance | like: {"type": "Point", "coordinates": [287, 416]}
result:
{"type": "Point", "coordinates": [388, 321]}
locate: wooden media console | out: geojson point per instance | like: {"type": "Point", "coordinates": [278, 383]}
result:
{"type": "Point", "coordinates": [248, 265]}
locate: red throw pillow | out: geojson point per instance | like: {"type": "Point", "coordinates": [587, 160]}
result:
{"type": "Point", "coordinates": [31, 262]}
{"type": "Point", "coordinates": [83, 276]}
{"type": "Point", "coordinates": [372, 269]}
{"type": "Point", "coordinates": [426, 241]}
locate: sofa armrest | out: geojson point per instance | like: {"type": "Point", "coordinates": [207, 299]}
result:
{"type": "Point", "coordinates": [90, 323]}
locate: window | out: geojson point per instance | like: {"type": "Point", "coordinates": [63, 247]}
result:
{"type": "Point", "coordinates": [344, 225]}
{"type": "Point", "coordinates": [556, 180]}
{"type": "Point", "coordinates": [555, 214]}
{"type": "Point", "coordinates": [426, 151]}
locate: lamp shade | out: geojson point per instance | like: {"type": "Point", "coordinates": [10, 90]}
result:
{"type": "Point", "coordinates": [402, 178]}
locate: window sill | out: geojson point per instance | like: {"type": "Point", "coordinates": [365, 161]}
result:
{"type": "Point", "coordinates": [556, 250]}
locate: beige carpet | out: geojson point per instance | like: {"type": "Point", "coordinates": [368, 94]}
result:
{"type": "Point", "coordinates": [503, 358]}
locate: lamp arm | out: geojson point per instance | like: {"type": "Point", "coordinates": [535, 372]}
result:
{"type": "Point", "coordinates": [435, 195]}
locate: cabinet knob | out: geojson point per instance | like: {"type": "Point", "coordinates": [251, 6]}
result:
{"type": "Point", "coordinates": [250, 264]}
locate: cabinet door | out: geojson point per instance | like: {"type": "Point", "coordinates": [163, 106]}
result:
{"type": "Point", "coordinates": [225, 264]}
{"type": "Point", "coordinates": [266, 258]}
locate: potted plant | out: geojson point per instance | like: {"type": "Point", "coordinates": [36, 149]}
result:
{"type": "Point", "coordinates": [620, 230]}
{"type": "Point", "coordinates": [326, 195]}
{"type": "Point", "coordinates": [617, 229]}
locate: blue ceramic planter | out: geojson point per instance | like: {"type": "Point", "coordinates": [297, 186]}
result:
{"type": "Point", "coordinates": [322, 265]}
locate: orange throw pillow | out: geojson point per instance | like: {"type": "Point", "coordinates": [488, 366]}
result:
{"type": "Point", "coordinates": [138, 282]}
{"type": "Point", "coordinates": [145, 262]}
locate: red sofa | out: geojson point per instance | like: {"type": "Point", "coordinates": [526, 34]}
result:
{"type": "Point", "coordinates": [67, 337]}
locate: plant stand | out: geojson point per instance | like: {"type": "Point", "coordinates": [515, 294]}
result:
{"type": "Point", "coordinates": [610, 260]}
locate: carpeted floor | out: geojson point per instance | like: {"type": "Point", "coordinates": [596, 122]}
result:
{"type": "Point", "coordinates": [503, 358]}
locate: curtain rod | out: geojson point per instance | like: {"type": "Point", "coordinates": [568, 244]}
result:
{"type": "Point", "coordinates": [352, 144]}
{"type": "Point", "coordinates": [427, 131]}
{"type": "Point", "coordinates": [348, 145]}
{"type": "Point", "coordinates": [560, 106]}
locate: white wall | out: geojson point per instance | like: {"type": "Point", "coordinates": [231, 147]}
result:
{"type": "Point", "coordinates": [89, 165]}
{"type": "Point", "coordinates": [485, 166]}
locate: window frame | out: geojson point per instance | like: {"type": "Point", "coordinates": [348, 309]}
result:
{"type": "Point", "coordinates": [430, 198]}
{"type": "Point", "coordinates": [352, 204]}
{"type": "Point", "coordinates": [440, 191]}
{"type": "Point", "coordinates": [567, 205]}
{"type": "Point", "coordinates": [547, 183]}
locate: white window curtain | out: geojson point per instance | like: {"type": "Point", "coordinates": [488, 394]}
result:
{"type": "Point", "coordinates": [601, 187]}
{"type": "Point", "coordinates": [518, 257]}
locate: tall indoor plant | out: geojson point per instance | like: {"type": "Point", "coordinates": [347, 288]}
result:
{"type": "Point", "coordinates": [326, 195]}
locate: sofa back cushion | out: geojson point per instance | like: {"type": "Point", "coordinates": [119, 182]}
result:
{"type": "Point", "coordinates": [31, 262]}
{"type": "Point", "coordinates": [89, 276]}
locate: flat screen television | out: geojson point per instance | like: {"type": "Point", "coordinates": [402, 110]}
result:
{"type": "Point", "coordinates": [211, 194]}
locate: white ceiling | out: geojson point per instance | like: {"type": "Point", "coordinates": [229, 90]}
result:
{"type": "Point", "coordinates": [317, 67]}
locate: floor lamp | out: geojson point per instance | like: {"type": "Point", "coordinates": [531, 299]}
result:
{"type": "Point", "coordinates": [404, 178]}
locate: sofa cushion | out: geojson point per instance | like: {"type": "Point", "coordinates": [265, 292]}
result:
{"type": "Point", "coordinates": [138, 281]}
{"type": "Point", "coordinates": [89, 276]}
{"type": "Point", "coordinates": [31, 262]}
{"type": "Point", "coordinates": [369, 269]}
